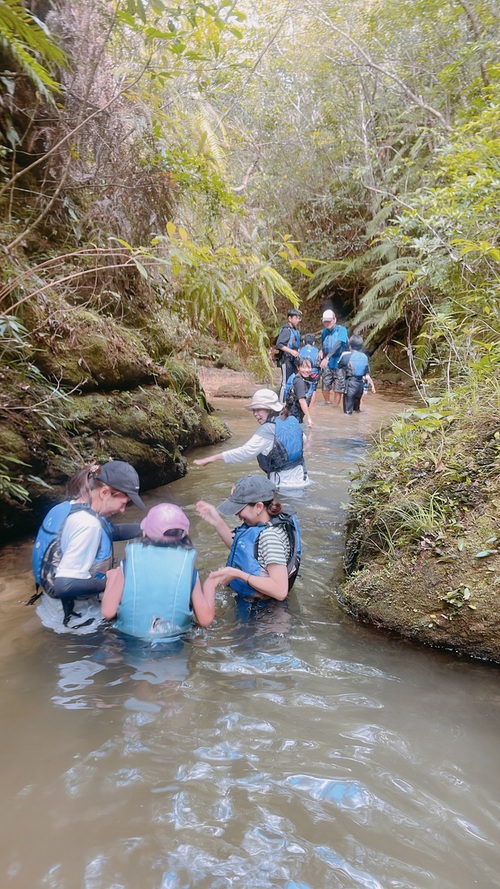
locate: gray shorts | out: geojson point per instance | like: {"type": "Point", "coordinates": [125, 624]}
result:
{"type": "Point", "coordinates": [334, 378]}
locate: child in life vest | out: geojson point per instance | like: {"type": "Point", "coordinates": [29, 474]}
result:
{"type": "Point", "coordinates": [156, 591]}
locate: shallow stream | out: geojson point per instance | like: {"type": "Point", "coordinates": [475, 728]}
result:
{"type": "Point", "coordinates": [285, 749]}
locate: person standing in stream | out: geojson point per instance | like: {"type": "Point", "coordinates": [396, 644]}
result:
{"type": "Point", "coordinates": [288, 345]}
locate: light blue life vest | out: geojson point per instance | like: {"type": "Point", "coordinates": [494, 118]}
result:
{"type": "Point", "coordinates": [46, 553]}
{"type": "Point", "coordinates": [156, 600]}
{"type": "Point", "coordinates": [356, 363]}
{"type": "Point", "coordinates": [287, 450]}
{"type": "Point", "coordinates": [243, 552]}
{"type": "Point", "coordinates": [310, 352]}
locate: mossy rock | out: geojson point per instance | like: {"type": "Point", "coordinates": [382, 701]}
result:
{"type": "Point", "coordinates": [150, 427]}
{"type": "Point", "coordinates": [14, 443]}
{"type": "Point", "coordinates": [80, 348]}
{"type": "Point", "coordinates": [166, 334]}
{"type": "Point", "coordinates": [448, 599]}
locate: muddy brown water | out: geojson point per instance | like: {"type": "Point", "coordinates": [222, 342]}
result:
{"type": "Point", "coordinates": [289, 748]}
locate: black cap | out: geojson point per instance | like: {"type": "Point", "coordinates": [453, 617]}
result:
{"type": "Point", "coordinates": [122, 477]}
{"type": "Point", "coordinates": [294, 312]}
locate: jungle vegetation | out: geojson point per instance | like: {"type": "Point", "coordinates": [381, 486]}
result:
{"type": "Point", "coordinates": [218, 161]}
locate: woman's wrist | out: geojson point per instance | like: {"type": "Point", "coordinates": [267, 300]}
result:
{"type": "Point", "coordinates": [248, 580]}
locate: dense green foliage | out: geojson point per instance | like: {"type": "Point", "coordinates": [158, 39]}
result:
{"type": "Point", "coordinates": [187, 157]}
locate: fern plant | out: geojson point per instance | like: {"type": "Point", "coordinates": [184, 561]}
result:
{"type": "Point", "coordinates": [24, 38]}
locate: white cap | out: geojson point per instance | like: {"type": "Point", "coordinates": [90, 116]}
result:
{"type": "Point", "coordinates": [328, 315]}
{"type": "Point", "coordinates": [265, 399]}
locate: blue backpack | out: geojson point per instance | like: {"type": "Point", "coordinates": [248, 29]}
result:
{"type": "Point", "coordinates": [289, 395]}
{"type": "Point", "coordinates": [287, 450]}
{"type": "Point", "coordinates": [49, 529]}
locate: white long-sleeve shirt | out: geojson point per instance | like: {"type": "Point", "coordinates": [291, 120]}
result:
{"type": "Point", "coordinates": [261, 443]}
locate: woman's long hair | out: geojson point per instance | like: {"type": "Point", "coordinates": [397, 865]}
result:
{"type": "Point", "coordinates": [78, 486]}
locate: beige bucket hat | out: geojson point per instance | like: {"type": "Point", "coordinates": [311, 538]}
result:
{"type": "Point", "coordinates": [265, 399]}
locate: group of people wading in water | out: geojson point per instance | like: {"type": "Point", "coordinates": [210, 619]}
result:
{"type": "Point", "coordinates": [155, 593]}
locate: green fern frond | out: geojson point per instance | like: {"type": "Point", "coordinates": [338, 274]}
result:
{"type": "Point", "coordinates": [380, 218]}
{"type": "Point", "coordinates": [387, 319]}
{"type": "Point", "coordinates": [400, 265]}
{"type": "Point", "coordinates": [387, 285]}
{"type": "Point", "coordinates": [208, 138]}
{"type": "Point", "coordinates": [326, 275]}
{"type": "Point", "coordinates": [24, 39]}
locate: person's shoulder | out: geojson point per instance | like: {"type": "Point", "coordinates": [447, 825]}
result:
{"type": "Point", "coordinates": [273, 534]}
{"type": "Point", "coordinates": [283, 334]}
{"type": "Point", "coordinates": [80, 519]}
{"type": "Point", "coordinates": [267, 430]}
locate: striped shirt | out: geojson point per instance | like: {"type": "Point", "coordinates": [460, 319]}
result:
{"type": "Point", "coordinates": [273, 546]}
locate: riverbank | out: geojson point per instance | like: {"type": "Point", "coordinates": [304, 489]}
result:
{"type": "Point", "coordinates": [423, 539]}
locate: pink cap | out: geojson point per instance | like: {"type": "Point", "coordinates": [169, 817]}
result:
{"type": "Point", "coordinates": [163, 518]}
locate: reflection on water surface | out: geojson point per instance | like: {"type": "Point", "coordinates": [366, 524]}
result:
{"type": "Point", "coordinates": [284, 747]}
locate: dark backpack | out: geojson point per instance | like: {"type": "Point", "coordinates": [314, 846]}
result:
{"type": "Point", "coordinates": [291, 527]}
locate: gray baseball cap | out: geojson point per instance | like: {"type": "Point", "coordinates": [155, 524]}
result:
{"type": "Point", "coordinates": [122, 477]}
{"type": "Point", "coordinates": [250, 489]}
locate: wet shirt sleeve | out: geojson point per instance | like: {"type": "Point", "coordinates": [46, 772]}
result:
{"type": "Point", "coordinates": [300, 387]}
{"type": "Point", "coordinates": [283, 337]}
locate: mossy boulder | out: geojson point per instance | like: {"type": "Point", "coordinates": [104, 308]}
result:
{"type": "Point", "coordinates": [449, 598]}
{"type": "Point", "coordinates": [150, 427]}
{"type": "Point", "coordinates": [80, 348]}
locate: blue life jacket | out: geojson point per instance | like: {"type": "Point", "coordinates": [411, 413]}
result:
{"type": "Point", "coordinates": [310, 352]}
{"type": "Point", "coordinates": [47, 532]}
{"type": "Point", "coordinates": [156, 600]}
{"type": "Point", "coordinates": [46, 553]}
{"type": "Point", "coordinates": [294, 341]}
{"type": "Point", "coordinates": [335, 339]}
{"type": "Point", "coordinates": [243, 552]}
{"type": "Point", "coordinates": [289, 394]}
{"type": "Point", "coordinates": [287, 450]}
{"type": "Point", "coordinates": [355, 362]}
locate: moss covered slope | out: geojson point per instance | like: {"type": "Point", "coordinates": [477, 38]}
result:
{"type": "Point", "coordinates": [423, 536]}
